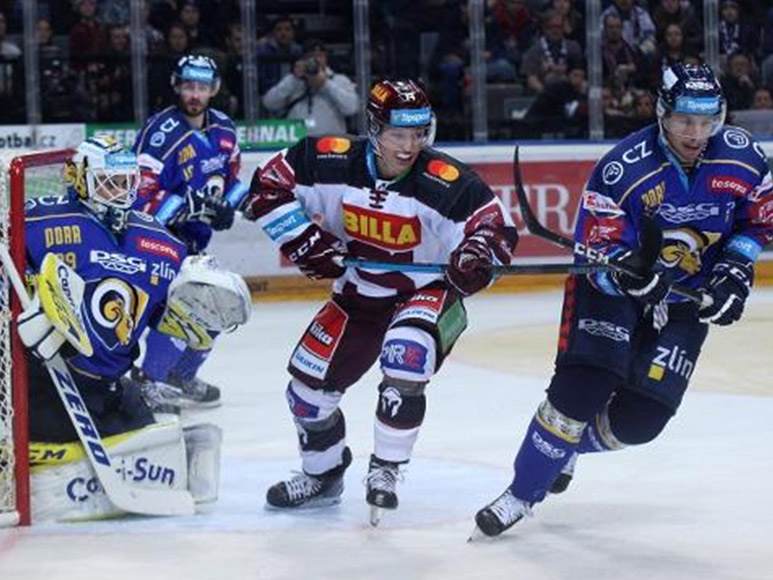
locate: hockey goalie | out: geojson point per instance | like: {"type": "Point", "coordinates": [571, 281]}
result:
{"type": "Point", "coordinates": [101, 274]}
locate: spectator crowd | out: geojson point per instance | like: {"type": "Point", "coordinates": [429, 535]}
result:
{"type": "Point", "coordinates": [535, 55]}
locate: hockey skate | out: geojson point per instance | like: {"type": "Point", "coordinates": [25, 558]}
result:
{"type": "Point", "coordinates": [159, 397]}
{"type": "Point", "coordinates": [499, 515]}
{"type": "Point", "coordinates": [310, 491]}
{"type": "Point", "coordinates": [380, 484]}
{"type": "Point", "coordinates": [196, 393]}
{"type": "Point", "coordinates": [565, 477]}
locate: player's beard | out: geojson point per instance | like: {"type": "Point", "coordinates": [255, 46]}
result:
{"type": "Point", "coordinates": [194, 108]}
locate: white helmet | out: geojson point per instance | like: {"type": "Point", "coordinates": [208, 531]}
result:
{"type": "Point", "coordinates": [104, 176]}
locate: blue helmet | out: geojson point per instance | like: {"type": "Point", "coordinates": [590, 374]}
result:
{"type": "Point", "coordinates": [196, 67]}
{"type": "Point", "coordinates": [691, 90]}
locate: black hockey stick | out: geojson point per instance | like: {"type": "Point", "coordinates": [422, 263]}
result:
{"type": "Point", "coordinates": [651, 240]}
{"type": "Point", "coordinates": [509, 269]}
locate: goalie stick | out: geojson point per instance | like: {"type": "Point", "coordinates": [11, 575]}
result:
{"type": "Point", "coordinates": [510, 269]}
{"type": "Point", "coordinates": [651, 241]}
{"type": "Point", "coordinates": [124, 496]}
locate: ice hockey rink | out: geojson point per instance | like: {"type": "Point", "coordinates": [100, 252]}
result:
{"type": "Point", "coordinates": [695, 504]}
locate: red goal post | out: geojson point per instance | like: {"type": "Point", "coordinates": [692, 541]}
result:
{"type": "Point", "coordinates": [22, 175]}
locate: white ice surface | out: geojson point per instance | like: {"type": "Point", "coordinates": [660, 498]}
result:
{"type": "Point", "coordinates": [695, 504]}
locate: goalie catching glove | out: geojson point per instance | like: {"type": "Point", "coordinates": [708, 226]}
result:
{"type": "Point", "coordinates": [317, 253]}
{"type": "Point", "coordinates": [469, 268]}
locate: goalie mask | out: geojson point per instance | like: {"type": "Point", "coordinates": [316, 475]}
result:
{"type": "Point", "coordinates": [104, 176]}
{"type": "Point", "coordinates": [399, 103]}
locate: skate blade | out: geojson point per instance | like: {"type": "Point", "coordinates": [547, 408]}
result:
{"type": "Point", "coordinates": [477, 535]}
{"type": "Point", "coordinates": [375, 516]}
{"type": "Point", "coordinates": [309, 505]}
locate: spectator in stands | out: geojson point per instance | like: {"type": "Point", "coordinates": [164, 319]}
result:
{"type": "Point", "coordinates": [276, 53]}
{"type": "Point", "coordinates": [8, 49]}
{"type": "Point", "coordinates": [452, 56]}
{"type": "Point", "coordinates": [159, 89]}
{"type": "Point", "coordinates": [199, 33]}
{"type": "Point", "coordinates": [574, 21]}
{"type": "Point", "coordinates": [668, 12]}
{"type": "Point", "coordinates": [45, 38]}
{"type": "Point", "coordinates": [620, 60]}
{"type": "Point", "coordinates": [234, 69]}
{"type": "Point", "coordinates": [638, 28]}
{"type": "Point", "coordinates": [739, 81]}
{"type": "Point", "coordinates": [671, 50]}
{"type": "Point", "coordinates": [86, 33]}
{"type": "Point", "coordinates": [562, 107]}
{"type": "Point", "coordinates": [114, 78]}
{"type": "Point", "coordinates": [762, 100]}
{"type": "Point", "coordinates": [552, 56]}
{"type": "Point", "coordinates": [114, 12]}
{"type": "Point", "coordinates": [514, 22]}
{"type": "Point", "coordinates": [314, 93]}
{"type": "Point", "coordinates": [735, 35]}
{"type": "Point", "coordinates": [11, 79]}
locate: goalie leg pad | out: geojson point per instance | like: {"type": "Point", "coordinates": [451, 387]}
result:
{"type": "Point", "coordinates": [320, 424]}
{"type": "Point", "coordinates": [399, 415]}
{"type": "Point", "coordinates": [64, 487]}
{"type": "Point", "coordinates": [202, 450]}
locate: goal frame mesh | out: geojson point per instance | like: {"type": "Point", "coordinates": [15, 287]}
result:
{"type": "Point", "coordinates": [16, 167]}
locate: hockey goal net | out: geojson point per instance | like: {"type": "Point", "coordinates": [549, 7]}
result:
{"type": "Point", "coordinates": [23, 175]}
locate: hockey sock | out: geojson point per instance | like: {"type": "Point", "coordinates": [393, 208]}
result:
{"type": "Point", "coordinates": [189, 363]}
{"type": "Point", "coordinates": [162, 353]}
{"type": "Point", "coordinates": [550, 440]}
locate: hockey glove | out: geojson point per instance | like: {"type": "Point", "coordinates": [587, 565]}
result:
{"type": "Point", "coordinates": [469, 268]}
{"type": "Point", "coordinates": [221, 214]}
{"type": "Point", "coordinates": [651, 286]}
{"type": "Point", "coordinates": [203, 207]}
{"type": "Point", "coordinates": [37, 332]}
{"type": "Point", "coordinates": [731, 279]}
{"type": "Point", "coordinates": [316, 252]}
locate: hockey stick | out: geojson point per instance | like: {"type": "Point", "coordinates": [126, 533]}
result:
{"type": "Point", "coordinates": [651, 238]}
{"type": "Point", "coordinates": [510, 269]}
{"type": "Point", "coordinates": [129, 498]}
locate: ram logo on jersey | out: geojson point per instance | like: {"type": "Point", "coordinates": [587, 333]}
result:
{"type": "Point", "coordinates": [393, 232]}
{"type": "Point", "coordinates": [118, 262]}
{"type": "Point", "coordinates": [683, 248]}
{"type": "Point", "coordinates": [116, 309]}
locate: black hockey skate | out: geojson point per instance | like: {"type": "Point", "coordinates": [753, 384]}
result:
{"type": "Point", "coordinates": [309, 491]}
{"type": "Point", "coordinates": [380, 483]}
{"type": "Point", "coordinates": [197, 393]}
{"type": "Point", "coordinates": [500, 514]}
{"type": "Point", "coordinates": [159, 397]}
{"type": "Point", "coordinates": [565, 477]}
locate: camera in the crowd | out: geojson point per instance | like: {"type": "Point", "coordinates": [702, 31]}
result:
{"type": "Point", "coordinates": [311, 65]}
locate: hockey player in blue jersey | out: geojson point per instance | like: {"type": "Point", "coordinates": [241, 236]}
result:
{"type": "Point", "coordinates": [190, 159]}
{"type": "Point", "coordinates": [127, 260]}
{"type": "Point", "coordinates": [627, 347]}
{"type": "Point", "coordinates": [109, 273]}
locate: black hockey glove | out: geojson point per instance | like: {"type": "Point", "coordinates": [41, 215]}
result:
{"type": "Point", "coordinates": [205, 208]}
{"type": "Point", "coordinates": [731, 279]}
{"type": "Point", "coordinates": [316, 252]}
{"type": "Point", "coordinates": [221, 214]}
{"type": "Point", "coordinates": [469, 267]}
{"type": "Point", "coordinates": [652, 284]}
